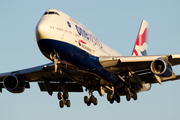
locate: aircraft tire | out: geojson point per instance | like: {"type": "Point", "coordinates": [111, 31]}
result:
{"type": "Point", "coordinates": [128, 98]}
{"type": "Point", "coordinates": [65, 95]}
{"type": "Point", "coordinates": [61, 104]}
{"type": "Point", "coordinates": [68, 103]}
{"type": "Point", "coordinates": [95, 101]}
{"type": "Point", "coordinates": [111, 101]}
{"type": "Point", "coordinates": [59, 95]}
{"type": "Point", "coordinates": [134, 96]}
{"type": "Point", "coordinates": [109, 97]}
{"type": "Point", "coordinates": [92, 98]}
{"type": "Point", "coordinates": [118, 100]}
{"type": "Point", "coordinates": [86, 99]}
{"type": "Point", "coordinates": [89, 103]}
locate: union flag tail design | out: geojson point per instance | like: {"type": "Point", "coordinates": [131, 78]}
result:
{"type": "Point", "coordinates": [140, 48]}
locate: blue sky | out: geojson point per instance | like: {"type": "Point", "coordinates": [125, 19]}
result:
{"type": "Point", "coordinates": [116, 23]}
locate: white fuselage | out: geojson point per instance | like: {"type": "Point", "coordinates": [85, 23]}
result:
{"type": "Point", "coordinates": [66, 29]}
{"type": "Point", "coordinates": [57, 32]}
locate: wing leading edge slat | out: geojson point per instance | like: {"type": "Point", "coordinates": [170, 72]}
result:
{"type": "Point", "coordinates": [134, 63]}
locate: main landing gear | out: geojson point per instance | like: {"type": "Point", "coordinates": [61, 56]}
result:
{"type": "Point", "coordinates": [90, 100]}
{"type": "Point", "coordinates": [130, 94]}
{"type": "Point", "coordinates": [63, 99]}
{"type": "Point", "coordinates": [112, 98]}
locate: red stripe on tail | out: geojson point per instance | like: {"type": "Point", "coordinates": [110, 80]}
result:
{"type": "Point", "coordinates": [143, 38]}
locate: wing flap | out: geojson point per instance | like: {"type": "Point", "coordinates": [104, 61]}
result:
{"type": "Point", "coordinates": [175, 59]}
{"type": "Point", "coordinates": [71, 87]}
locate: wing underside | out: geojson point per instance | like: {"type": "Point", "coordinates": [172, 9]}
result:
{"type": "Point", "coordinates": [122, 65]}
{"type": "Point", "coordinates": [45, 79]}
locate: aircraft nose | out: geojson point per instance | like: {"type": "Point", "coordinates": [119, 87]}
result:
{"type": "Point", "coordinates": [41, 31]}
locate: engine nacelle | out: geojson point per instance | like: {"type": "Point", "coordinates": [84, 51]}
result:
{"type": "Point", "coordinates": [161, 68]}
{"type": "Point", "coordinates": [13, 84]}
{"type": "Point", "coordinates": [146, 87]}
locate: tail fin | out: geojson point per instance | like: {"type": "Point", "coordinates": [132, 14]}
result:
{"type": "Point", "coordinates": [140, 48]}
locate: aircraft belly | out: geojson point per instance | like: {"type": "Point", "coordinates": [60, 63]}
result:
{"type": "Point", "coordinates": [76, 56]}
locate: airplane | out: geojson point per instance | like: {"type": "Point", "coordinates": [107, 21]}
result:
{"type": "Point", "coordinates": [80, 60]}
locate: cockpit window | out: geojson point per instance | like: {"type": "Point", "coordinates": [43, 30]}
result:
{"type": "Point", "coordinates": [50, 12]}
{"type": "Point", "coordinates": [56, 13]}
{"type": "Point", "coordinates": [45, 13]}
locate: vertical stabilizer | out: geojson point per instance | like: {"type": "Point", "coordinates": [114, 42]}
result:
{"type": "Point", "coordinates": [140, 48]}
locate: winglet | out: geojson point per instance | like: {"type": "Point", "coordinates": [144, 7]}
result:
{"type": "Point", "coordinates": [140, 48]}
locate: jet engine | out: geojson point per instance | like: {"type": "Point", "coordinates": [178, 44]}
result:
{"type": "Point", "coordinates": [161, 68]}
{"type": "Point", "coordinates": [13, 84]}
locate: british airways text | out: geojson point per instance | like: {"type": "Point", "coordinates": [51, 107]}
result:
{"type": "Point", "coordinates": [88, 36]}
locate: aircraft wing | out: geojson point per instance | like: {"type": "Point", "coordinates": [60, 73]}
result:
{"type": "Point", "coordinates": [43, 75]}
{"type": "Point", "coordinates": [142, 65]}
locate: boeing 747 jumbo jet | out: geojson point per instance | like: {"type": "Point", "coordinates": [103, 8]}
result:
{"type": "Point", "coordinates": [80, 59]}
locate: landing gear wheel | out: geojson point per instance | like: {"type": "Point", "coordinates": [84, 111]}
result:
{"type": "Point", "coordinates": [134, 96]}
{"type": "Point", "coordinates": [92, 98]}
{"type": "Point", "coordinates": [59, 95]}
{"type": "Point", "coordinates": [128, 97]}
{"type": "Point", "coordinates": [65, 95]}
{"type": "Point", "coordinates": [95, 101]}
{"type": "Point", "coordinates": [89, 103]}
{"type": "Point", "coordinates": [109, 97]}
{"type": "Point", "coordinates": [61, 104]}
{"type": "Point", "coordinates": [111, 101]}
{"type": "Point", "coordinates": [118, 99]}
{"type": "Point", "coordinates": [68, 103]}
{"type": "Point", "coordinates": [86, 99]}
